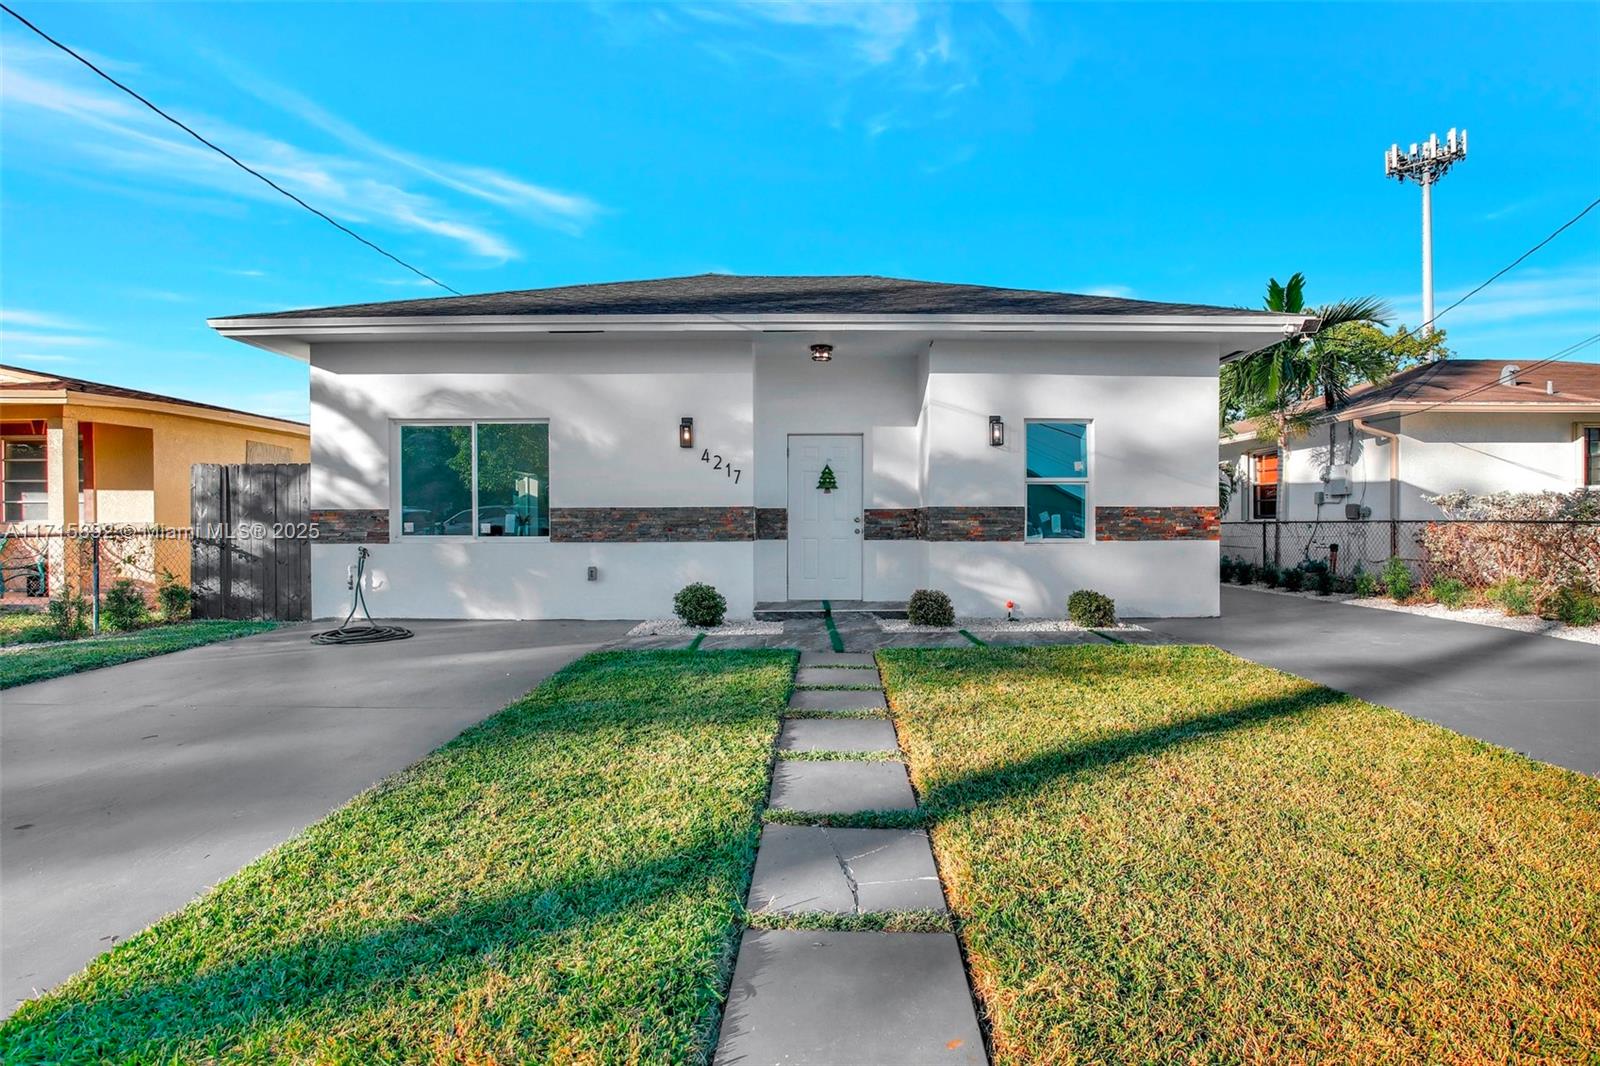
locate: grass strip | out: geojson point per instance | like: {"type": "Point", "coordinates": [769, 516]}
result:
{"type": "Point", "coordinates": [799, 712]}
{"type": "Point", "coordinates": [1166, 853]}
{"type": "Point", "coordinates": [562, 883]}
{"type": "Point", "coordinates": [884, 922]}
{"type": "Point", "coordinates": [874, 687]}
{"type": "Point", "coordinates": [694, 645]}
{"type": "Point", "coordinates": [834, 639]}
{"type": "Point", "coordinates": [839, 756]}
{"type": "Point", "coordinates": [855, 820]}
{"type": "Point", "coordinates": [975, 640]}
{"type": "Point", "coordinates": [26, 664]}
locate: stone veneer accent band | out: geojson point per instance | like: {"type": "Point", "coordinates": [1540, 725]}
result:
{"type": "Point", "coordinates": [772, 523]}
{"type": "Point", "coordinates": [1157, 523]}
{"type": "Point", "coordinates": [351, 526]}
{"type": "Point", "coordinates": [892, 523]}
{"type": "Point", "coordinates": [623, 524]}
{"type": "Point", "coordinates": [972, 523]}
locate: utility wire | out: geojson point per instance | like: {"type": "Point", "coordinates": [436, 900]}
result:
{"type": "Point", "coordinates": [1572, 349]}
{"type": "Point", "coordinates": [228, 155]}
{"type": "Point", "coordinates": [1510, 266]}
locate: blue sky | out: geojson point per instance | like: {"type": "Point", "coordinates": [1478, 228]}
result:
{"type": "Point", "coordinates": [1167, 152]}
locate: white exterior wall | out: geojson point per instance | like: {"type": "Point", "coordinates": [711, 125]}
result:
{"type": "Point", "coordinates": [1440, 452]}
{"type": "Point", "coordinates": [1152, 410]}
{"type": "Point", "coordinates": [613, 410]}
{"type": "Point", "coordinates": [922, 411]}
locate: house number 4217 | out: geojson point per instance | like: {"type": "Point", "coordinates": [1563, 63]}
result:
{"type": "Point", "coordinates": [718, 463]}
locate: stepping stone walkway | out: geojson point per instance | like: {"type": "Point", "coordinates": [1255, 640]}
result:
{"type": "Point", "coordinates": [813, 996]}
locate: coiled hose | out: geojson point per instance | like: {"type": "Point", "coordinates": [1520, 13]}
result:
{"type": "Point", "coordinates": [368, 632]}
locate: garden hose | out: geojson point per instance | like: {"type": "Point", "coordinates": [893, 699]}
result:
{"type": "Point", "coordinates": [368, 632]}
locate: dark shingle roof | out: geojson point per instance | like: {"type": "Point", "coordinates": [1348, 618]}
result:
{"type": "Point", "coordinates": [1477, 381]}
{"type": "Point", "coordinates": [733, 294]}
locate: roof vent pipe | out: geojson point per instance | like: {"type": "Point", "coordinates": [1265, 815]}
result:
{"type": "Point", "coordinates": [1549, 388]}
{"type": "Point", "coordinates": [1508, 374]}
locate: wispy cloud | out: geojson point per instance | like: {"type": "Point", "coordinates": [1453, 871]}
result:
{"type": "Point", "coordinates": [1121, 292]}
{"type": "Point", "coordinates": [366, 182]}
{"type": "Point", "coordinates": [1549, 294]}
{"type": "Point", "coordinates": [47, 340]}
{"type": "Point", "coordinates": [13, 316]}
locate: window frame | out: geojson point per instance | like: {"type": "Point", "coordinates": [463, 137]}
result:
{"type": "Point", "coordinates": [43, 441]}
{"type": "Point", "coordinates": [1586, 479]}
{"type": "Point", "coordinates": [1086, 481]}
{"type": "Point", "coordinates": [397, 481]}
{"type": "Point", "coordinates": [1255, 485]}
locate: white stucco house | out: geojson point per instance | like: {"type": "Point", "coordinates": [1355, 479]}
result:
{"type": "Point", "coordinates": [1476, 425]}
{"type": "Point", "coordinates": [585, 451]}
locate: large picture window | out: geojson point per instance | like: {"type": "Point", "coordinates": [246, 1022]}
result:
{"type": "Point", "coordinates": [1264, 473]}
{"type": "Point", "coordinates": [475, 479]}
{"type": "Point", "coordinates": [1057, 481]}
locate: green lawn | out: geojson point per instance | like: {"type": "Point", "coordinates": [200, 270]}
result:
{"type": "Point", "coordinates": [25, 627]}
{"type": "Point", "coordinates": [89, 653]}
{"type": "Point", "coordinates": [561, 884]}
{"type": "Point", "coordinates": [1170, 854]}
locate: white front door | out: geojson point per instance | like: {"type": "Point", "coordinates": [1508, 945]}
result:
{"type": "Point", "coordinates": [824, 527]}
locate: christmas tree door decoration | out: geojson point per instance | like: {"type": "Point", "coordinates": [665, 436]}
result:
{"type": "Point", "coordinates": [826, 481]}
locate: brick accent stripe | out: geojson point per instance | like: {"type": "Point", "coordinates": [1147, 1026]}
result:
{"type": "Point", "coordinates": [624, 524]}
{"type": "Point", "coordinates": [892, 523]}
{"type": "Point", "coordinates": [772, 523]}
{"type": "Point", "coordinates": [351, 526]}
{"type": "Point", "coordinates": [1157, 523]}
{"type": "Point", "coordinates": [972, 523]}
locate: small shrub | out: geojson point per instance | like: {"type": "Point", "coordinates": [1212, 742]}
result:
{"type": "Point", "coordinates": [1226, 569]}
{"type": "Point", "coordinates": [1449, 591]}
{"type": "Point", "coordinates": [930, 607]}
{"type": "Point", "coordinates": [1244, 572]}
{"type": "Point", "coordinates": [700, 605]}
{"type": "Point", "coordinates": [1395, 577]}
{"type": "Point", "coordinates": [124, 607]}
{"type": "Point", "coordinates": [1092, 610]}
{"type": "Point", "coordinates": [1513, 596]}
{"type": "Point", "coordinates": [1294, 579]}
{"type": "Point", "coordinates": [1322, 580]}
{"type": "Point", "coordinates": [1271, 576]}
{"type": "Point", "coordinates": [1363, 583]}
{"type": "Point", "coordinates": [69, 615]}
{"type": "Point", "coordinates": [177, 599]}
{"type": "Point", "coordinates": [1577, 607]}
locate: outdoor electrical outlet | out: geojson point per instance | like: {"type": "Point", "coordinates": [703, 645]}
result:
{"type": "Point", "coordinates": [594, 573]}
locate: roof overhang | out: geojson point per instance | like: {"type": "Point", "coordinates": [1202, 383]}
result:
{"type": "Point", "coordinates": [1236, 335]}
{"type": "Point", "coordinates": [1581, 408]}
{"type": "Point", "coordinates": [74, 398]}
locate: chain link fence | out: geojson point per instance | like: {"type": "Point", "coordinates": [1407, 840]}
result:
{"type": "Point", "coordinates": [1475, 552]}
{"type": "Point", "coordinates": [36, 565]}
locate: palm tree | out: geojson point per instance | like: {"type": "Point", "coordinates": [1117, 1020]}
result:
{"type": "Point", "coordinates": [1276, 388]}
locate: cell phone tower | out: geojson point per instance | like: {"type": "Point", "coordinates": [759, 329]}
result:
{"type": "Point", "coordinates": [1426, 164]}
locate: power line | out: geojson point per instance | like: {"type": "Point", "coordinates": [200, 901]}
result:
{"type": "Point", "coordinates": [1571, 349]}
{"type": "Point", "coordinates": [228, 155]}
{"type": "Point", "coordinates": [1508, 268]}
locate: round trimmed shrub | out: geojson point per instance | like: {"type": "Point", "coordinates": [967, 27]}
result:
{"type": "Point", "coordinates": [1271, 576]}
{"type": "Point", "coordinates": [1091, 609]}
{"type": "Point", "coordinates": [1294, 579]}
{"type": "Point", "coordinates": [930, 607]}
{"type": "Point", "coordinates": [700, 605]}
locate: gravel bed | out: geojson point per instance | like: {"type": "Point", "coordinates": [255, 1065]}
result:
{"type": "Point", "coordinates": [1001, 625]}
{"type": "Point", "coordinates": [1488, 616]}
{"type": "Point", "coordinates": [672, 627]}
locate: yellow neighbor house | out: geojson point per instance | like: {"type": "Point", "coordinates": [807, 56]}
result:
{"type": "Point", "coordinates": [76, 452]}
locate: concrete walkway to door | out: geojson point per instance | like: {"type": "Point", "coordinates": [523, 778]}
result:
{"type": "Point", "coordinates": [1533, 694]}
{"type": "Point", "coordinates": [128, 790]}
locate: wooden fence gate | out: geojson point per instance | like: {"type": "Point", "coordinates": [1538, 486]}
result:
{"type": "Point", "coordinates": [251, 547]}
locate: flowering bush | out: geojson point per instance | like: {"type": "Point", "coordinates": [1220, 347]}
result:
{"type": "Point", "coordinates": [1550, 540]}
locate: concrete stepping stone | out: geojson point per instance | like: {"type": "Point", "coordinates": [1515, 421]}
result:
{"type": "Point", "coordinates": [841, 787]}
{"type": "Point", "coordinates": [837, 734]}
{"type": "Point", "coordinates": [836, 658]}
{"type": "Point", "coordinates": [837, 699]}
{"type": "Point", "coordinates": [812, 870]}
{"type": "Point", "coordinates": [837, 676]}
{"type": "Point", "coordinates": [895, 999]}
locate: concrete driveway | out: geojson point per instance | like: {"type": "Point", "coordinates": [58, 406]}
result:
{"type": "Point", "coordinates": [127, 791]}
{"type": "Point", "coordinates": [1533, 694]}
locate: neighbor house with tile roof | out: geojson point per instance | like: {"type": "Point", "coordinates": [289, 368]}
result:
{"type": "Point", "coordinates": [1474, 425]}
{"type": "Point", "coordinates": [586, 451]}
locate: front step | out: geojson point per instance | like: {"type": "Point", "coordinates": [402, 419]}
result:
{"type": "Point", "coordinates": [782, 610]}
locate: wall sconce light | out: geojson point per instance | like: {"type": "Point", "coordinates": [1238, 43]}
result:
{"type": "Point", "coordinates": [997, 432]}
{"type": "Point", "coordinates": [821, 353]}
{"type": "Point", "coordinates": [686, 432]}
